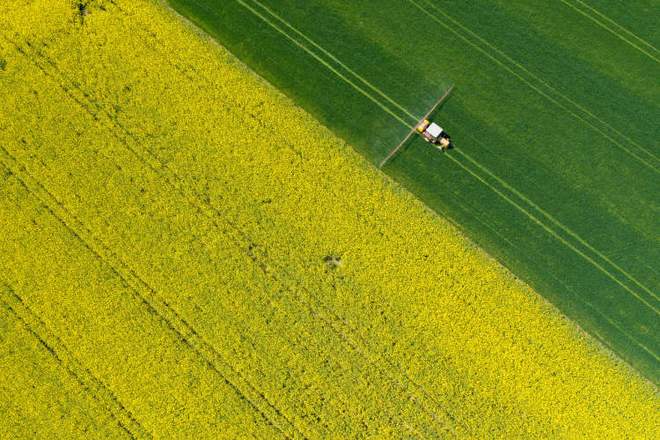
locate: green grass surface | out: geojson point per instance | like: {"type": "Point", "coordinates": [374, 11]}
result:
{"type": "Point", "coordinates": [554, 117]}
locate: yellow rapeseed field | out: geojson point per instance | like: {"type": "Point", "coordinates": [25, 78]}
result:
{"type": "Point", "coordinates": [186, 254]}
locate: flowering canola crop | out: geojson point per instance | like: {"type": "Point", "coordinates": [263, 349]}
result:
{"type": "Point", "coordinates": [188, 254]}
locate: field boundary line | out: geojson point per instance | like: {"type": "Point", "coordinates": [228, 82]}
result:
{"type": "Point", "coordinates": [605, 271]}
{"type": "Point", "coordinates": [85, 379]}
{"type": "Point", "coordinates": [516, 192]}
{"type": "Point", "coordinates": [613, 323]}
{"type": "Point", "coordinates": [558, 237]}
{"type": "Point", "coordinates": [159, 309]}
{"type": "Point", "coordinates": [551, 218]}
{"type": "Point", "coordinates": [158, 165]}
{"type": "Point", "coordinates": [534, 87]}
{"type": "Point", "coordinates": [619, 36]}
{"type": "Point", "coordinates": [200, 199]}
{"type": "Point", "coordinates": [546, 228]}
{"type": "Point", "coordinates": [537, 78]}
{"type": "Point", "coordinates": [561, 226]}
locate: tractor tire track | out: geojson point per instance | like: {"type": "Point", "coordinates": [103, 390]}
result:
{"type": "Point", "coordinates": [504, 184]}
{"type": "Point", "coordinates": [612, 322]}
{"type": "Point", "coordinates": [609, 29]}
{"type": "Point", "coordinates": [510, 65]}
{"type": "Point", "coordinates": [148, 297]}
{"type": "Point", "coordinates": [177, 66]}
{"type": "Point", "coordinates": [577, 108]}
{"type": "Point", "coordinates": [155, 165]}
{"type": "Point", "coordinates": [508, 187]}
{"type": "Point", "coordinates": [204, 207]}
{"type": "Point", "coordinates": [88, 382]}
{"type": "Point", "coordinates": [621, 28]}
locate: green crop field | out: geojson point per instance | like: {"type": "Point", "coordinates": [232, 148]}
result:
{"type": "Point", "coordinates": [554, 116]}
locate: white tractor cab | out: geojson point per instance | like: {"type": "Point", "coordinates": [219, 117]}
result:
{"type": "Point", "coordinates": [430, 131]}
{"type": "Point", "coordinates": [434, 134]}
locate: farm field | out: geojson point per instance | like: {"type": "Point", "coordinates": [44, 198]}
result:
{"type": "Point", "coordinates": [186, 253]}
{"type": "Point", "coordinates": [554, 116]}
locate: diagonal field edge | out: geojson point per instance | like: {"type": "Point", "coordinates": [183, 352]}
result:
{"type": "Point", "coordinates": [509, 187]}
{"type": "Point", "coordinates": [394, 366]}
{"type": "Point", "coordinates": [612, 322]}
{"type": "Point", "coordinates": [561, 225]}
{"type": "Point", "coordinates": [598, 266]}
{"type": "Point", "coordinates": [607, 273]}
